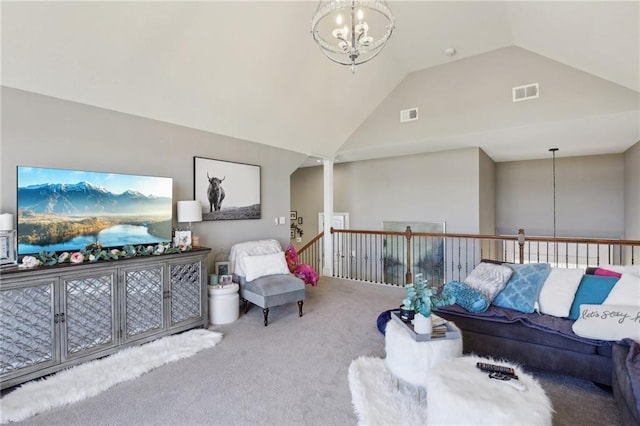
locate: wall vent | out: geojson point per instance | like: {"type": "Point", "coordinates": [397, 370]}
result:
{"type": "Point", "coordinates": [408, 115]}
{"type": "Point", "coordinates": [526, 92]}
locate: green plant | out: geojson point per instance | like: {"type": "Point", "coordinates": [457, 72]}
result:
{"type": "Point", "coordinates": [422, 298]}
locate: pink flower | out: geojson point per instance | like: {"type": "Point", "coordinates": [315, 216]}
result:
{"type": "Point", "coordinates": [77, 257]}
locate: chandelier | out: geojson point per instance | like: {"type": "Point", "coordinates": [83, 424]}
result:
{"type": "Point", "coordinates": [352, 32]}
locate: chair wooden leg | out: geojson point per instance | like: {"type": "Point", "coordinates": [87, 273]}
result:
{"type": "Point", "coordinates": [299, 307]}
{"type": "Point", "coordinates": [265, 312]}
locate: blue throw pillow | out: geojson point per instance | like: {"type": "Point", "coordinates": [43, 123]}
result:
{"type": "Point", "coordinates": [523, 288]}
{"type": "Point", "coordinates": [470, 299]}
{"type": "Point", "coordinates": [593, 290]}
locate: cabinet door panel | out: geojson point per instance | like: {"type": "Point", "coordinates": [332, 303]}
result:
{"type": "Point", "coordinates": [144, 302]}
{"type": "Point", "coordinates": [27, 336]}
{"type": "Point", "coordinates": [89, 314]}
{"type": "Point", "coordinates": [186, 292]}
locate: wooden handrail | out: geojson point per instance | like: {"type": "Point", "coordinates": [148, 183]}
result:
{"type": "Point", "coordinates": [310, 243]}
{"type": "Point", "coordinates": [495, 237]}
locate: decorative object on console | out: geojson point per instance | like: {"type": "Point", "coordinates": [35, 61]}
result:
{"type": "Point", "coordinates": [8, 241]}
{"type": "Point", "coordinates": [351, 32]}
{"type": "Point", "coordinates": [227, 190]}
{"type": "Point", "coordinates": [222, 268]}
{"type": "Point", "coordinates": [95, 252]}
{"type": "Point", "coordinates": [189, 211]}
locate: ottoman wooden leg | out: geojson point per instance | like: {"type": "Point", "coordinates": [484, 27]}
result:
{"type": "Point", "coordinates": [265, 312]}
{"type": "Point", "coordinates": [245, 304]}
{"type": "Point", "coordinates": [299, 307]}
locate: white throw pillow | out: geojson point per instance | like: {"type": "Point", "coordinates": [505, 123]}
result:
{"type": "Point", "coordinates": [263, 265]}
{"type": "Point", "coordinates": [608, 322]}
{"type": "Point", "coordinates": [489, 279]}
{"type": "Point", "coordinates": [559, 290]}
{"type": "Point", "coordinates": [625, 292]}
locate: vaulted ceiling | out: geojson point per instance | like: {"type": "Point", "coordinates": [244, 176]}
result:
{"type": "Point", "coordinates": [250, 69]}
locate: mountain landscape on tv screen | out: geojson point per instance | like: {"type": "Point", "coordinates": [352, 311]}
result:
{"type": "Point", "coordinates": [57, 217]}
{"type": "Point", "coordinates": [84, 198]}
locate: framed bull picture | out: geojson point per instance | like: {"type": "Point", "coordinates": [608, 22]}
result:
{"type": "Point", "coordinates": [226, 190]}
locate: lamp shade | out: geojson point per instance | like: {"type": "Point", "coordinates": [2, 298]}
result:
{"type": "Point", "coordinates": [189, 211]}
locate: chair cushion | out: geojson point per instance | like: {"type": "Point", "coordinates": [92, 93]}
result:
{"type": "Point", "coordinates": [274, 284]}
{"type": "Point", "coordinates": [272, 290]}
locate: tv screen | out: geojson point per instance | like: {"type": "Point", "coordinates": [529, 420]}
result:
{"type": "Point", "coordinates": [67, 210]}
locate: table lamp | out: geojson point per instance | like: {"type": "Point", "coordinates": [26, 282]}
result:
{"type": "Point", "coordinates": [190, 211]}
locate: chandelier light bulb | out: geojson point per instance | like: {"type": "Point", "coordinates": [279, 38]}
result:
{"type": "Point", "coordinates": [360, 15]}
{"type": "Point", "coordinates": [339, 20]}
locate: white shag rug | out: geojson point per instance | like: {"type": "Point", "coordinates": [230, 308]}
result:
{"type": "Point", "coordinates": [89, 379]}
{"type": "Point", "coordinates": [376, 398]}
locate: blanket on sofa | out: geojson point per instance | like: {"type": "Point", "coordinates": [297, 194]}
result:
{"type": "Point", "coordinates": [547, 323]}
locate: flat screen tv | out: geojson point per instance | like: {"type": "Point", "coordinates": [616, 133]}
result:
{"type": "Point", "coordinates": [67, 210]}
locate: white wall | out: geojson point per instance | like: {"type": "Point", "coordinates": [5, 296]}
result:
{"type": "Point", "coordinates": [589, 196]}
{"type": "Point", "coordinates": [47, 132]}
{"type": "Point", "coordinates": [437, 187]}
{"type": "Point", "coordinates": [471, 193]}
{"type": "Point", "coordinates": [473, 95]}
{"type": "Point", "coordinates": [632, 192]}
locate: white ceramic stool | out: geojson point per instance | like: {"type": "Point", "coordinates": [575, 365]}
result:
{"type": "Point", "coordinates": [224, 304]}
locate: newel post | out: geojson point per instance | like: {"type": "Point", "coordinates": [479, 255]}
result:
{"type": "Point", "coordinates": [409, 276]}
{"type": "Point", "coordinates": [521, 244]}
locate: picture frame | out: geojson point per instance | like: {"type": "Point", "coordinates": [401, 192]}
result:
{"type": "Point", "coordinates": [300, 220]}
{"type": "Point", "coordinates": [222, 268]}
{"type": "Point", "coordinates": [293, 215]}
{"type": "Point", "coordinates": [182, 237]}
{"type": "Point", "coordinates": [226, 190]}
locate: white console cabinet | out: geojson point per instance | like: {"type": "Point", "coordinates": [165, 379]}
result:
{"type": "Point", "coordinates": [55, 317]}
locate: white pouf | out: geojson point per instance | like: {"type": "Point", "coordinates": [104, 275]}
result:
{"type": "Point", "coordinates": [224, 304]}
{"type": "Point", "coordinates": [412, 361]}
{"type": "Point", "coordinates": [458, 393]}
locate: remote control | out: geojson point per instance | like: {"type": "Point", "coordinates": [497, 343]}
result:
{"type": "Point", "coordinates": [493, 368]}
{"type": "Point", "coordinates": [508, 380]}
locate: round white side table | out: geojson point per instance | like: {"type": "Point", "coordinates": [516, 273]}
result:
{"type": "Point", "coordinates": [224, 304]}
{"type": "Point", "coordinates": [412, 361]}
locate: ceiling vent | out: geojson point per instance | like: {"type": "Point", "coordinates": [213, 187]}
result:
{"type": "Point", "coordinates": [524, 93]}
{"type": "Point", "coordinates": [408, 115]}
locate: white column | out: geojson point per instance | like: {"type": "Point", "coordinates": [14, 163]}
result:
{"type": "Point", "coordinates": [327, 268]}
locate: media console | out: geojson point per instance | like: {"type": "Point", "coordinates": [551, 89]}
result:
{"type": "Point", "coordinates": [55, 317]}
